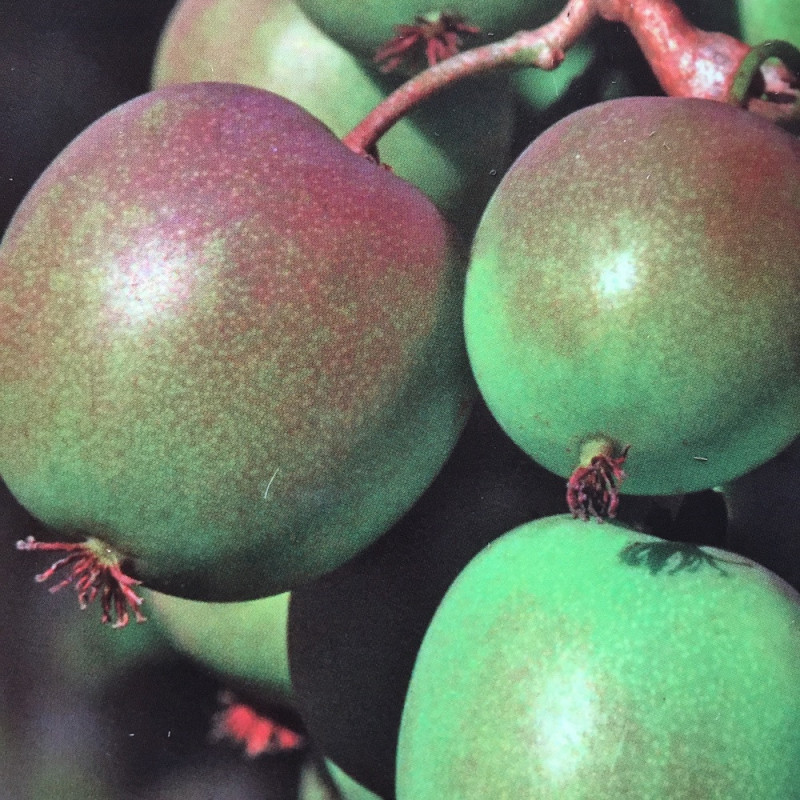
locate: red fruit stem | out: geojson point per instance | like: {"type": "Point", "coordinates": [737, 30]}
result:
{"type": "Point", "coordinates": [542, 48]}
{"type": "Point", "coordinates": [94, 569]}
{"type": "Point", "coordinates": [687, 61]}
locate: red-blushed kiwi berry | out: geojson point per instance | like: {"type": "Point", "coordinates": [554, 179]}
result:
{"type": "Point", "coordinates": [635, 283]}
{"type": "Point", "coordinates": [232, 348]}
{"type": "Point", "coordinates": [570, 661]}
{"type": "Point", "coordinates": [453, 154]}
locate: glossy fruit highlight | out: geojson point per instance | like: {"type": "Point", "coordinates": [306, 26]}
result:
{"type": "Point", "coordinates": [571, 662]}
{"type": "Point", "coordinates": [635, 282]}
{"type": "Point", "coordinates": [232, 348]}
{"type": "Point", "coordinates": [354, 633]}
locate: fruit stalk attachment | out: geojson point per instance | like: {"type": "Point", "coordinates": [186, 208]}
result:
{"type": "Point", "coordinates": [593, 488]}
{"type": "Point", "coordinates": [769, 88]}
{"type": "Point", "coordinates": [95, 569]}
{"type": "Point", "coordinates": [687, 61]}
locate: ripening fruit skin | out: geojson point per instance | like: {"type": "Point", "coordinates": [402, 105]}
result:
{"type": "Point", "coordinates": [636, 278]}
{"type": "Point", "coordinates": [362, 26]}
{"type": "Point", "coordinates": [454, 155]}
{"type": "Point", "coordinates": [573, 661]}
{"type": "Point", "coordinates": [232, 349]}
{"type": "Point", "coordinates": [354, 633]}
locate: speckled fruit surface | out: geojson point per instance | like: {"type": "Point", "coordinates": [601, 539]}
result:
{"type": "Point", "coordinates": [636, 277]}
{"type": "Point", "coordinates": [573, 660]}
{"type": "Point", "coordinates": [455, 156]}
{"type": "Point", "coordinates": [232, 349]}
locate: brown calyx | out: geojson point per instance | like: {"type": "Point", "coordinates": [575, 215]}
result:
{"type": "Point", "coordinates": [593, 488]}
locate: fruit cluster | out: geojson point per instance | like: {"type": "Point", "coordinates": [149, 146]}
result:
{"type": "Point", "coordinates": [445, 414]}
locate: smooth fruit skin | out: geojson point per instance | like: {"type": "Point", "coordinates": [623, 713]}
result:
{"type": "Point", "coordinates": [453, 154]}
{"type": "Point", "coordinates": [232, 348]}
{"type": "Point", "coordinates": [560, 666]}
{"type": "Point", "coordinates": [243, 643]}
{"type": "Point", "coordinates": [761, 20]}
{"type": "Point", "coordinates": [362, 26]}
{"type": "Point", "coordinates": [636, 277]}
{"type": "Point", "coordinates": [354, 633]}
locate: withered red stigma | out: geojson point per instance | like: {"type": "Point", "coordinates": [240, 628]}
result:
{"type": "Point", "coordinates": [593, 490]}
{"type": "Point", "coordinates": [436, 38]}
{"type": "Point", "coordinates": [95, 570]}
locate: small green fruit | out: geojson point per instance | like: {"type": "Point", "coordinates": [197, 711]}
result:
{"type": "Point", "coordinates": [243, 643]}
{"type": "Point", "coordinates": [575, 662]}
{"type": "Point", "coordinates": [363, 26]}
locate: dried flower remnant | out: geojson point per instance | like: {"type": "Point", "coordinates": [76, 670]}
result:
{"type": "Point", "coordinates": [95, 569]}
{"type": "Point", "coordinates": [593, 488]}
{"type": "Point", "coordinates": [436, 37]}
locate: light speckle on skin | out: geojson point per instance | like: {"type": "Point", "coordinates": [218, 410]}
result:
{"type": "Point", "coordinates": [174, 340]}
{"type": "Point", "coordinates": [269, 484]}
{"type": "Point", "coordinates": [631, 290]}
{"type": "Point", "coordinates": [553, 669]}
